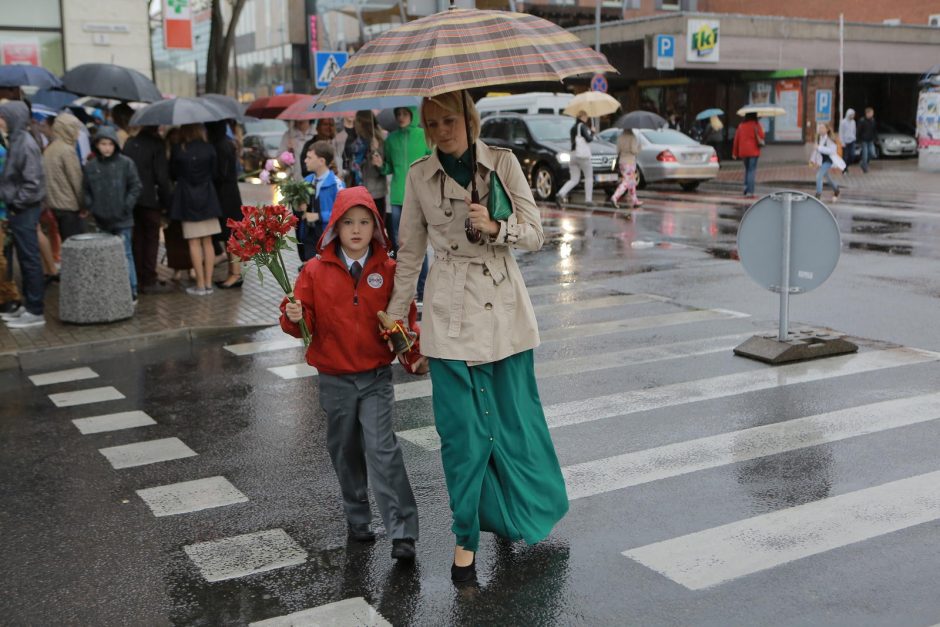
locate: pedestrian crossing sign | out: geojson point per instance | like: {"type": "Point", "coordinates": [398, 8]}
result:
{"type": "Point", "coordinates": [327, 66]}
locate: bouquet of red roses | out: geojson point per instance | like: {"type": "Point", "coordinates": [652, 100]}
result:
{"type": "Point", "coordinates": [260, 236]}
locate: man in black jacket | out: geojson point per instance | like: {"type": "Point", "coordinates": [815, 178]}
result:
{"type": "Point", "coordinates": [148, 153]}
{"type": "Point", "coordinates": [22, 189]}
{"type": "Point", "coordinates": [867, 136]}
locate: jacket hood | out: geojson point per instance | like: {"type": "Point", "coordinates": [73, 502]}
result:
{"type": "Point", "coordinates": [16, 115]}
{"type": "Point", "coordinates": [415, 120]}
{"type": "Point", "coordinates": [106, 132]}
{"type": "Point", "coordinates": [346, 199]}
{"type": "Point", "coordinates": [849, 114]}
{"type": "Point", "coordinates": [66, 128]}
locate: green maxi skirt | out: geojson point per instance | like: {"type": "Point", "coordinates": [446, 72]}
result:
{"type": "Point", "coordinates": [499, 461]}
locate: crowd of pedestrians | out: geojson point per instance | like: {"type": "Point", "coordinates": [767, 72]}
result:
{"type": "Point", "coordinates": [60, 177]}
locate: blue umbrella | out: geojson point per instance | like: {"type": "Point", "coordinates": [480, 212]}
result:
{"type": "Point", "coordinates": [20, 75]}
{"type": "Point", "coordinates": [55, 99]}
{"type": "Point", "coordinates": [707, 113]}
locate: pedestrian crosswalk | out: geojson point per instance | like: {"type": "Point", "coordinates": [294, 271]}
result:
{"type": "Point", "coordinates": [716, 555]}
{"type": "Point", "coordinates": [656, 359]}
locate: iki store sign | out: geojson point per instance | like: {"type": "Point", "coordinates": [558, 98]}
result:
{"type": "Point", "coordinates": [702, 41]}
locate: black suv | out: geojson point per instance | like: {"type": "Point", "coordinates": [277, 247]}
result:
{"type": "Point", "coordinates": [542, 144]}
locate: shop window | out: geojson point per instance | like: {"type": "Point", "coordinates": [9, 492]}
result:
{"type": "Point", "coordinates": [32, 48]}
{"type": "Point", "coordinates": [32, 14]}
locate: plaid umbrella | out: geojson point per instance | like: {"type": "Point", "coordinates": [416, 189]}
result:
{"type": "Point", "coordinates": [459, 49]}
{"type": "Point", "coordinates": [270, 107]}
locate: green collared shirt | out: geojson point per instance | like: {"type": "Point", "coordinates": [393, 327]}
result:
{"type": "Point", "coordinates": [457, 168]}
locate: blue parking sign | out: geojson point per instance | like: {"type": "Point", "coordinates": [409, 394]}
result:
{"type": "Point", "coordinates": [665, 46]}
{"type": "Point", "coordinates": [823, 105]}
{"type": "Point", "coordinates": [665, 52]}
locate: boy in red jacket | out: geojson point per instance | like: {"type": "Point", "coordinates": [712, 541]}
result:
{"type": "Point", "coordinates": [339, 294]}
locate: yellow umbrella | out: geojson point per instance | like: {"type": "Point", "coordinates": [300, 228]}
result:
{"type": "Point", "coordinates": [594, 103]}
{"type": "Point", "coordinates": [762, 111]}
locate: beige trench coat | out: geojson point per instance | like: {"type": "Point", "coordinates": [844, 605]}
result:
{"type": "Point", "coordinates": [476, 307]}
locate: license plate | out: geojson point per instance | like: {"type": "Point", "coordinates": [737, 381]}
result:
{"type": "Point", "coordinates": [606, 178]}
{"type": "Point", "coordinates": [695, 157]}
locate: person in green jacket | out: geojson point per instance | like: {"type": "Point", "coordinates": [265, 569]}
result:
{"type": "Point", "coordinates": [403, 147]}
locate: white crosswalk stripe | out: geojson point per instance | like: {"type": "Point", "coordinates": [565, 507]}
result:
{"type": "Point", "coordinates": [623, 471]}
{"type": "Point", "coordinates": [113, 422]}
{"type": "Point", "coordinates": [143, 453]}
{"type": "Point", "coordinates": [635, 401]}
{"type": "Point", "coordinates": [191, 496]}
{"type": "Point", "coordinates": [84, 397]}
{"type": "Point", "coordinates": [714, 556]}
{"type": "Point", "coordinates": [63, 376]}
{"type": "Point", "coordinates": [246, 554]}
{"type": "Point", "coordinates": [600, 361]}
{"type": "Point", "coordinates": [253, 348]}
{"type": "Point", "coordinates": [346, 612]}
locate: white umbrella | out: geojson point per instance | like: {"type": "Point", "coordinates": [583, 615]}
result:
{"type": "Point", "coordinates": [594, 103]}
{"type": "Point", "coordinates": [762, 110]}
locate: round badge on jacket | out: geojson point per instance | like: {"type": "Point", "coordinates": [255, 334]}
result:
{"type": "Point", "coordinates": [375, 280]}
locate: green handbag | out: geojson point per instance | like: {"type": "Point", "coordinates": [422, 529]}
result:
{"type": "Point", "coordinates": [498, 204]}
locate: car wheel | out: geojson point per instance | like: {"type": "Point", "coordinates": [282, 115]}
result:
{"type": "Point", "coordinates": [544, 182]}
{"type": "Point", "coordinates": [689, 186]}
{"type": "Point", "coordinates": [641, 180]}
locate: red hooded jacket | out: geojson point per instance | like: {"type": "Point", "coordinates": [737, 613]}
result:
{"type": "Point", "coordinates": [341, 315]}
{"type": "Point", "coordinates": [745, 139]}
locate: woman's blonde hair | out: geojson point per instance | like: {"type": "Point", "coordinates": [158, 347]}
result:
{"type": "Point", "coordinates": [453, 103]}
{"type": "Point", "coordinates": [715, 123]}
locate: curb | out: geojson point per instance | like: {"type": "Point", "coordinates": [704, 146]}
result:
{"type": "Point", "coordinates": [57, 355]}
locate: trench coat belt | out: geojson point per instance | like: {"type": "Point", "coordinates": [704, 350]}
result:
{"type": "Point", "coordinates": [461, 267]}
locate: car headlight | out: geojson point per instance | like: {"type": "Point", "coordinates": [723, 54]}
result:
{"type": "Point", "coordinates": [563, 157]}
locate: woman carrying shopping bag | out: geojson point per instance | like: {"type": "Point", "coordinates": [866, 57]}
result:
{"type": "Point", "coordinates": [581, 137]}
{"type": "Point", "coordinates": [825, 157]}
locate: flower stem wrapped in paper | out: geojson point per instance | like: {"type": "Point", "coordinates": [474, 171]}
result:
{"type": "Point", "coordinates": [260, 236]}
{"type": "Point", "coordinates": [404, 342]}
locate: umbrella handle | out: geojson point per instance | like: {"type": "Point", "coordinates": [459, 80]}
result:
{"type": "Point", "coordinates": [473, 235]}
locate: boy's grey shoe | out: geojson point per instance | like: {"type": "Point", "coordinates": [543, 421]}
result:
{"type": "Point", "coordinates": [361, 532]}
{"type": "Point", "coordinates": [13, 315]}
{"type": "Point", "coordinates": [26, 321]}
{"type": "Point", "coordinates": [403, 549]}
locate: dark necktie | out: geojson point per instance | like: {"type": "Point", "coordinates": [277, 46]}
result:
{"type": "Point", "coordinates": [356, 271]}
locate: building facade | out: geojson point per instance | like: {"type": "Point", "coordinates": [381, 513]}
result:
{"type": "Point", "coordinates": [60, 34]}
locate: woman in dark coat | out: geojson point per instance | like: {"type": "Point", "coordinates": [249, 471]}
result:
{"type": "Point", "coordinates": [230, 198]}
{"type": "Point", "coordinates": [195, 202]}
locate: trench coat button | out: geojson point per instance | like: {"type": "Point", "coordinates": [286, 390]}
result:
{"type": "Point", "coordinates": [488, 306]}
{"type": "Point", "coordinates": [448, 213]}
{"type": "Point", "coordinates": [454, 246]}
{"type": "Point", "coordinates": [486, 272]}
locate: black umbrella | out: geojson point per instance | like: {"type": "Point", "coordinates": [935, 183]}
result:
{"type": "Point", "coordinates": [177, 112]}
{"type": "Point", "coordinates": [111, 81]}
{"type": "Point", "coordinates": [20, 75]}
{"type": "Point", "coordinates": [641, 119]}
{"type": "Point", "coordinates": [225, 103]}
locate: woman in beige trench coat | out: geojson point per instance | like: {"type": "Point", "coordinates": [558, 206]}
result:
{"type": "Point", "coordinates": [479, 332]}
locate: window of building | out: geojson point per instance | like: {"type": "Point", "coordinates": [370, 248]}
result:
{"type": "Point", "coordinates": [32, 14]}
{"type": "Point", "coordinates": [34, 48]}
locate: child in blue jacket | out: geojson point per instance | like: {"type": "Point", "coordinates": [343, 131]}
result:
{"type": "Point", "coordinates": [317, 213]}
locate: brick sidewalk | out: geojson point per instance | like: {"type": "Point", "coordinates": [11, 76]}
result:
{"type": "Point", "coordinates": [253, 304]}
{"type": "Point", "coordinates": [884, 176]}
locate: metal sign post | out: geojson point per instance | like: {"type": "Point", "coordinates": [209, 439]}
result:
{"type": "Point", "coordinates": [785, 268]}
{"type": "Point", "coordinates": [789, 243]}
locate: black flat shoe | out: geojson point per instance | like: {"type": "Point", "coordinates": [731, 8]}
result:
{"type": "Point", "coordinates": [403, 549]}
{"type": "Point", "coordinates": [360, 533]}
{"type": "Point", "coordinates": [223, 286]}
{"type": "Point", "coordinates": [463, 574]}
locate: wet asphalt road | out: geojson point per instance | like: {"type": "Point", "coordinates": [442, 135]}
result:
{"type": "Point", "coordinates": [81, 547]}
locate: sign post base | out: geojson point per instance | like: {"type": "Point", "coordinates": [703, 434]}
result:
{"type": "Point", "coordinates": [803, 346]}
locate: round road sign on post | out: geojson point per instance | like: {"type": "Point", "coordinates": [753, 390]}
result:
{"type": "Point", "coordinates": [814, 242]}
{"type": "Point", "coordinates": [599, 83]}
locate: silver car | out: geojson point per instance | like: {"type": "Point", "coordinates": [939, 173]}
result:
{"type": "Point", "coordinates": [894, 141]}
{"type": "Point", "coordinates": [668, 155]}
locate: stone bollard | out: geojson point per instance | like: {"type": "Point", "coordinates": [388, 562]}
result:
{"type": "Point", "coordinates": [94, 285]}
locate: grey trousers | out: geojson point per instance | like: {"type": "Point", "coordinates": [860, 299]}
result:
{"type": "Point", "coordinates": [364, 449]}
